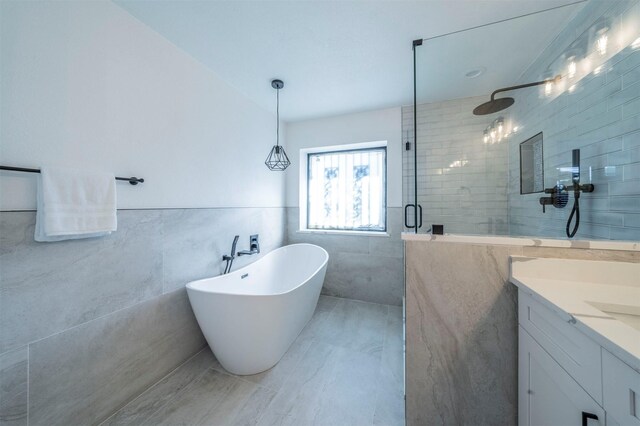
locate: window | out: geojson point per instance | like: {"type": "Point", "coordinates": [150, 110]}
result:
{"type": "Point", "coordinates": [346, 189]}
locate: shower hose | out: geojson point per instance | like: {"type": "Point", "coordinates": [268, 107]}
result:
{"type": "Point", "coordinates": [575, 211]}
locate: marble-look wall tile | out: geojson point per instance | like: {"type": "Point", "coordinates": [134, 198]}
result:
{"type": "Point", "coordinates": [59, 297]}
{"type": "Point", "coordinates": [461, 334]}
{"type": "Point", "coordinates": [368, 268]}
{"type": "Point", "coordinates": [82, 375]}
{"type": "Point", "coordinates": [365, 277]}
{"type": "Point", "coordinates": [13, 387]}
{"type": "Point", "coordinates": [49, 287]}
{"type": "Point", "coordinates": [196, 239]}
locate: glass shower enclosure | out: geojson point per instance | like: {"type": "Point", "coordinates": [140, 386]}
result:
{"type": "Point", "coordinates": [514, 172]}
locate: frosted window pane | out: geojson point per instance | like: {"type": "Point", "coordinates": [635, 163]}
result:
{"type": "Point", "coordinates": [346, 190]}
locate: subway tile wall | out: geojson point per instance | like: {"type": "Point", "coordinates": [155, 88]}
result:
{"type": "Point", "coordinates": [87, 325]}
{"type": "Point", "coordinates": [602, 119]}
{"type": "Point", "coordinates": [474, 188]}
{"type": "Point", "coordinates": [461, 181]}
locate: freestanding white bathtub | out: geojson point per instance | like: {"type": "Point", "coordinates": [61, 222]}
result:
{"type": "Point", "coordinates": [251, 316]}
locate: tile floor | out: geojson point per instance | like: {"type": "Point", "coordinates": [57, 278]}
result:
{"type": "Point", "coordinates": [345, 368]}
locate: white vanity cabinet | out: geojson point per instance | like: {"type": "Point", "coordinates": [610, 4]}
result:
{"type": "Point", "coordinates": [579, 341]}
{"type": "Point", "coordinates": [547, 394]}
{"type": "Point", "coordinates": [565, 378]}
{"type": "Point", "coordinates": [621, 388]}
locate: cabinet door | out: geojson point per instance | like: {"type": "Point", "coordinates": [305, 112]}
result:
{"type": "Point", "coordinates": [548, 396]}
{"type": "Point", "coordinates": [621, 391]}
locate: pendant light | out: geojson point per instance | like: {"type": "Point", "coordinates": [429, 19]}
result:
{"type": "Point", "coordinates": [277, 159]}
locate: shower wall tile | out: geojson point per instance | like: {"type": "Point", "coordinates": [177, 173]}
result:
{"type": "Point", "coordinates": [461, 334]}
{"type": "Point", "coordinates": [368, 268]}
{"type": "Point", "coordinates": [602, 120]}
{"type": "Point", "coordinates": [49, 287]}
{"type": "Point", "coordinates": [80, 376]}
{"type": "Point", "coordinates": [13, 387]}
{"type": "Point", "coordinates": [461, 181]}
{"type": "Point", "coordinates": [196, 239]}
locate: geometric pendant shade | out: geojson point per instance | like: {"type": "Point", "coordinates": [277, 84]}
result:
{"type": "Point", "coordinates": [277, 160]}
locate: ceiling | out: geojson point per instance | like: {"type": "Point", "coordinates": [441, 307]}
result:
{"type": "Point", "coordinates": [338, 57]}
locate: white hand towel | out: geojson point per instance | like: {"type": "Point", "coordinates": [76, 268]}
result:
{"type": "Point", "coordinates": [75, 204]}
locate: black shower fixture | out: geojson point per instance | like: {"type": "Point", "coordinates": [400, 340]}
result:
{"type": "Point", "coordinates": [560, 197]}
{"type": "Point", "coordinates": [495, 105]}
{"type": "Point", "coordinates": [277, 160]}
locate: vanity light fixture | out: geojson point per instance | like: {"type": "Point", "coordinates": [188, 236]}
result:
{"type": "Point", "coordinates": [548, 88]}
{"type": "Point", "coordinates": [495, 132]}
{"type": "Point", "coordinates": [277, 159]}
{"type": "Point", "coordinates": [601, 36]}
{"type": "Point", "coordinates": [572, 66]}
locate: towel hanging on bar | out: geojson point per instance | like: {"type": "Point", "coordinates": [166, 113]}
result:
{"type": "Point", "coordinates": [74, 204]}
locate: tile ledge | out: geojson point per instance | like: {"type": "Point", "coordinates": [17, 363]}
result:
{"type": "Point", "coordinates": [524, 241]}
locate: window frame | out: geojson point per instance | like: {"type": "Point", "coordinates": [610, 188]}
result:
{"type": "Point", "coordinates": [305, 155]}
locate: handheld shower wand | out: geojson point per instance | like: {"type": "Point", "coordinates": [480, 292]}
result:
{"type": "Point", "coordinates": [577, 188]}
{"type": "Point", "coordinates": [229, 258]}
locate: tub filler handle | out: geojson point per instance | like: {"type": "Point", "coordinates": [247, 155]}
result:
{"type": "Point", "coordinates": [254, 247]}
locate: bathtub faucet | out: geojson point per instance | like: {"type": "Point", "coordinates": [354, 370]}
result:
{"type": "Point", "coordinates": [254, 247]}
{"type": "Point", "coordinates": [229, 257]}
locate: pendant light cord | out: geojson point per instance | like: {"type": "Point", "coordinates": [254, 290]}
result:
{"type": "Point", "coordinates": [278, 117]}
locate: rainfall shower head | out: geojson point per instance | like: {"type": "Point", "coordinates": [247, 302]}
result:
{"type": "Point", "coordinates": [495, 105]}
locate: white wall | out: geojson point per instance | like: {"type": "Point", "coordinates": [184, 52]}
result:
{"type": "Point", "coordinates": [369, 126]}
{"type": "Point", "coordinates": [84, 84]}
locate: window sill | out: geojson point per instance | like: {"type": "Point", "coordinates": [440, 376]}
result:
{"type": "Point", "coordinates": [338, 232]}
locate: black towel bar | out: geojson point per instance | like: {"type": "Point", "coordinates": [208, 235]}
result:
{"type": "Point", "coordinates": [132, 180]}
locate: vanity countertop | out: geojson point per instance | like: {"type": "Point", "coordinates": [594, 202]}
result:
{"type": "Point", "coordinates": [601, 298]}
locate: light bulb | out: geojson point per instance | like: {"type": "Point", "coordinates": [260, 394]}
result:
{"type": "Point", "coordinates": [601, 44]}
{"type": "Point", "coordinates": [515, 129]}
{"type": "Point", "coordinates": [500, 125]}
{"type": "Point", "coordinates": [636, 44]}
{"type": "Point", "coordinates": [572, 67]}
{"type": "Point", "coordinates": [485, 138]}
{"type": "Point", "coordinates": [548, 88]}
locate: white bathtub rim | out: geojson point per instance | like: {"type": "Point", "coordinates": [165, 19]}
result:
{"type": "Point", "coordinates": [190, 285]}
